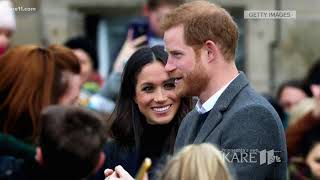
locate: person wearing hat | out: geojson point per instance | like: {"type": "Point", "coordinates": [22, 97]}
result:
{"type": "Point", "coordinates": [7, 24]}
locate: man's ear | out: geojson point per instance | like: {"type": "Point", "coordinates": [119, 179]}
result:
{"type": "Point", "coordinates": [38, 156]}
{"type": "Point", "coordinates": [100, 163]}
{"type": "Point", "coordinates": [212, 50]}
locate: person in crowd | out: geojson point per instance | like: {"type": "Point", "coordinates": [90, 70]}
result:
{"type": "Point", "coordinates": [201, 39]}
{"type": "Point", "coordinates": [288, 96]}
{"type": "Point", "coordinates": [311, 118]}
{"type": "Point", "coordinates": [91, 81]}
{"type": "Point", "coordinates": [303, 136]}
{"type": "Point", "coordinates": [153, 11]}
{"type": "Point", "coordinates": [70, 137]}
{"type": "Point", "coordinates": [31, 79]}
{"type": "Point", "coordinates": [306, 111]}
{"type": "Point", "coordinates": [85, 51]}
{"type": "Point", "coordinates": [147, 115]}
{"type": "Point", "coordinates": [312, 81]}
{"type": "Point", "coordinates": [7, 24]}
{"type": "Point", "coordinates": [195, 161]}
{"type": "Point", "coordinates": [305, 164]}
{"type": "Point", "coordinates": [290, 93]}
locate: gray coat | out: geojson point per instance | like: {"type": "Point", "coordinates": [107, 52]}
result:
{"type": "Point", "coordinates": [246, 128]}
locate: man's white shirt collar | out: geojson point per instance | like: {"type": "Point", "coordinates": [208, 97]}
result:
{"type": "Point", "coordinates": [208, 105]}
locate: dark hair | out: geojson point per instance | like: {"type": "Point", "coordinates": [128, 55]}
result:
{"type": "Point", "coordinates": [154, 4]}
{"type": "Point", "coordinates": [127, 119]}
{"type": "Point", "coordinates": [313, 77]}
{"type": "Point", "coordinates": [291, 83]}
{"type": "Point", "coordinates": [71, 140]}
{"type": "Point", "coordinates": [309, 140]}
{"type": "Point", "coordinates": [86, 45]}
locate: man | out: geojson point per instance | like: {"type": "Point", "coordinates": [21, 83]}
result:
{"type": "Point", "coordinates": [70, 145]}
{"type": "Point", "coordinates": [7, 24]}
{"type": "Point", "coordinates": [201, 40]}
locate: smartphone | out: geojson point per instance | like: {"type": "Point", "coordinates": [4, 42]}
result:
{"type": "Point", "coordinates": [139, 28]}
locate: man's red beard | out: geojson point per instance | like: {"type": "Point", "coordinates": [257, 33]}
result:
{"type": "Point", "coordinates": [194, 82]}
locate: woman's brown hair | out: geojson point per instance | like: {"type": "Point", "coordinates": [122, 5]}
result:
{"type": "Point", "coordinates": [27, 85]}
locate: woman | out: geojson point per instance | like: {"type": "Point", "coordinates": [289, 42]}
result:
{"type": "Point", "coordinates": [147, 115]}
{"type": "Point", "coordinates": [305, 164]}
{"type": "Point", "coordinates": [31, 79]}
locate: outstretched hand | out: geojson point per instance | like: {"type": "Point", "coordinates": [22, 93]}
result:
{"type": "Point", "coordinates": [118, 174]}
{"type": "Point", "coordinates": [128, 48]}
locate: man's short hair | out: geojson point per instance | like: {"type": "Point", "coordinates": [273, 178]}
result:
{"type": "Point", "coordinates": [204, 21]}
{"type": "Point", "coordinates": [71, 141]}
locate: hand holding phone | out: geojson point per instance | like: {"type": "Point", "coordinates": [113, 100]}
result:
{"type": "Point", "coordinates": [139, 28]}
{"type": "Point", "coordinates": [128, 48]}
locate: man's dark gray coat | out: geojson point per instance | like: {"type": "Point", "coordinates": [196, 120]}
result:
{"type": "Point", "coordinates": [246, 128]}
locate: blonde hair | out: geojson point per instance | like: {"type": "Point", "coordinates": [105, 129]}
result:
{"type": "Point", "coordinates": [196, 161]}
{"type": "Point", "coordinates": [204, 21]}
{"type": "Point", "coordinates": [301, 109]}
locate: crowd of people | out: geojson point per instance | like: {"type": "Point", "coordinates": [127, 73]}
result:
{"type": "Point", "coordinates": [174, 95]}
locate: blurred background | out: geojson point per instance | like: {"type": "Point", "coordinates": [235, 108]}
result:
{"type": "Point", "coordinates": [269, 51]}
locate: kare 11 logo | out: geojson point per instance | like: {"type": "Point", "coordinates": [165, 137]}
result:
{"type": "Point", "coordinates": [262, 157]}
{"type": "Point", "coordinates": [269, 157]}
